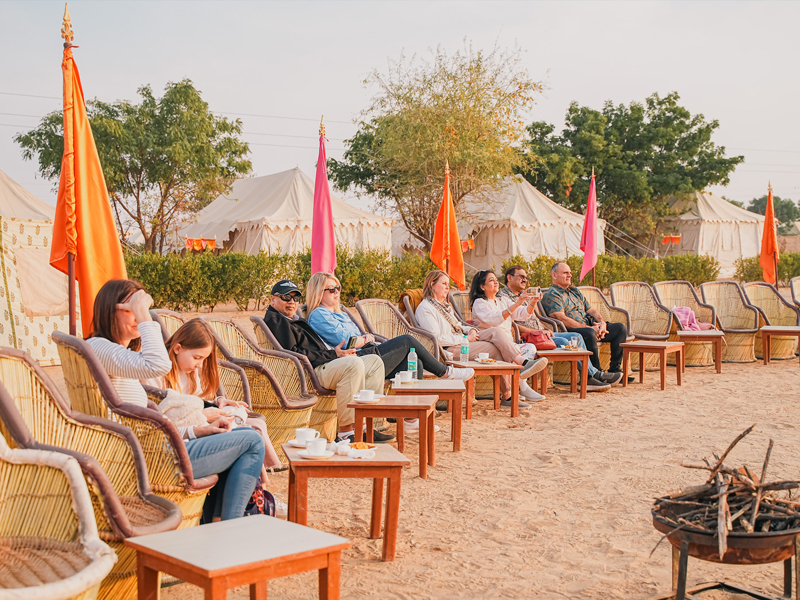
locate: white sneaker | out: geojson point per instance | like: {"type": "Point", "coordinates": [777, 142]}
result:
{"type": "Point", "coordinates": [413, 426]}
{"type": "Point", "coordinates": [529, 393]}
{"type": "Point", "coordinates": [459, 373]}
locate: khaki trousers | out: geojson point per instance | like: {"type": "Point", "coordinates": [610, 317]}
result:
{"type": "Point", "coordinates": [498, 345]}
{"type": "Point", "coordinates": [349, 375]}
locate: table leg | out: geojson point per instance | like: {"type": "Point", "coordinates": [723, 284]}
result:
{"type": "Point", "coordinates": [358, 426]}
{"type": "Point", "coordinates": [431, 440]}
{"type": "Point", "coordinates": [148, 584]}
{"type": "Point", "coordinates": [370, 431]}
{"type": "Point", "coordinates": [456, 427]}
{"type": "Point", "coordinates": [377, 507]}
{"type": "Point", "coordinates": [679, 362]}
{"type": "Point", "coordinates": [401, 434]}
{"type": "Point", "coordinates": [301, 498]}
{"type": "Point", "coordinates": [718, 354]}
{"type": "Point", "coordinates": [292, 510]}
{"type": "Point", "coordinates": [330, 577]}
{"type": "Point", "coordinates": [662, 368]}
{"type": "Point", "coordinates": [423, 444]}
{"type": "Point", "coordinates": [215, 589]}
{"type": "Point", "coordinates": [470, 396]}
{"type": "Point", "coordinates": [765, 346]}
{"type": "Point", "coordinates": [573, 376]}
{"type": "Point", "coordinates": [392, 514]}
{"type": "Point", "coordinates": [543, 380]}
{"type": "Point", "coordinates": [258, 590]}
{"type": "Point", "coordinates": [496, 390]}
{"type": "Point", "coordinates": [625, 359]}
{"type": "Point", "coordinates": [641, 367]}
{"type": "Point", "coordinates": [584, 376]}
{"type": "Point", "coordinates": [515, 394]}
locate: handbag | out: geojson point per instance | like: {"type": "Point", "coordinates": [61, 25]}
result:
{"type": "Point", "coordinates": [540, 340]}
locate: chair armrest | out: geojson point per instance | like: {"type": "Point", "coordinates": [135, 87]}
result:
{"type": "Point", "coordinates": [263, 382]}
{"type": "Point", "coordinates": [234, 382]}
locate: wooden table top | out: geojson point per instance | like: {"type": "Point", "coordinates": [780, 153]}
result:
{"type": "Point", "coordinates": [434, 385]}
{"type": "Point", "coordinates": [650, 344]}
{"type": "Point", "coordinates": [226, 547]}
{"type": "Point", "coordinates": [398, 402]}
{"type": "Point", "coordinates": [787, 328]}
{"type": "Point", "coordinates": [474, 364]}
{"type": "Point", "coordinates": [385, 456]}
{"type": "Point", "coordinates": [706, 333]}
{"type": "Point", "coordinates": [561, 352]}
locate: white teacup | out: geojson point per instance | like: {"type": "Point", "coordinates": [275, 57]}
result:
{"type": "Point", "coordinates": [483, 355]}
{"type": "Point", "coordinates": [366, 395]}
{"type": "Point", "coordinates": [303, 434]}
{"type": "Point", "coordinates": [316, 447]}
{"type": "Point", "coordinates": [405, 376]}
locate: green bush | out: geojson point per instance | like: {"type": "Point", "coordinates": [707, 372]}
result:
{"type": "Point", "coordinates": [691, 267]}
{"type": "Point", "coordinates": [749, 269]}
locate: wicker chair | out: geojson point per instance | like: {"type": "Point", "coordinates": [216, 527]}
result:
{"type": "Point", "coordinates": [650, 320]}
{"type": "Point", "coordinates": [48, 534]}
{"type": "Point", "coordinates": [462, 306]}
{"type": "Point", "coordinates": [773, 309]}
{"type": "Point", "coordinates": [35, 416]}
{"type": "Point", "coordinates": [794, 286]}
{"type": "Point", "coordinates": [278, 388]}
{"type": "Point", "coordinates": [382, 318]}
{"type": "Point", "coordinates": [682, 293]}
{"type": "Point", "coordinates": [736, 317]}
{"type": "Point", "coordinates": [169, 319]}
{"type": "Point", "coordinates": [91, 392]}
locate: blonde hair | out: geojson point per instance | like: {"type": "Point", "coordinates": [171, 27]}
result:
{"type": "Point", "coordinates": [194, 335]}
{"type": "Point", "coordinates": [315, 289]}
{"type": "Point", "coordinates": [430, 280]}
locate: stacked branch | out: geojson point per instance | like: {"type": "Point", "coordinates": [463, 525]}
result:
{"type": "Point", "coordinates": [732, 500]}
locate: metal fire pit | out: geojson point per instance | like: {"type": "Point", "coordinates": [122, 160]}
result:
{"type": "Point", "coordinates": [743, 549]}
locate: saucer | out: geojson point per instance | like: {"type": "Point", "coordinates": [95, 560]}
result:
{"type": "Point", "coordinates": [296, 444]}
{"type": "Point", "coordinates": [305, 454]}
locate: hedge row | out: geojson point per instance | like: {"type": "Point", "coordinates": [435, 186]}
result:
{"type": "Point", "coordinates": [204, 280]}
{"type": "Point", "coordinates": [749, 269]}
{"type": "Point", "coordinates": [689, 267]}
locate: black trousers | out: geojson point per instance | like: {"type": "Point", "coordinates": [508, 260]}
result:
{"type": "Point", "coordinates": [617, 334]}
{"type": "Point", "coordinates": [394, 354]}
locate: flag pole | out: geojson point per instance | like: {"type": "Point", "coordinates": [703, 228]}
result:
{"type": "Point", "coordinates": [594, 268]}
{"type": "Point", "coordinates": [447, 258]}
{"type": "Point", "coordinates": [67, 35]}
{"type": "Point", "coordinates": [775, 253]}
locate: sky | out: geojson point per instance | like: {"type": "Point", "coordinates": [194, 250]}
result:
{"type": "Point", "coordinates": [279, 66]}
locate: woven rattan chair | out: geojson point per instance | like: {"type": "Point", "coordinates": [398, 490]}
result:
{"type": "Point", "coordinates": [35, 416]}
{"type": "Point", "coordinates": [48, 535]}
{"type": "Point", "coordinates": [462, 306]}
{"type": "Point", "coordinates": [650, 320]}
{"type": "Point", "coordinates": [794, 286]}
{"type": "Point", "coordinates": [169, 319]}
{"type": "Point", "coordinates": [682, 293]}
{"type": "Point", "coordinates": [382, 318]}
{"type": "Point", "coordinates": [736, 317]}
{"type": "Point", "coordinates": [773, 310]}
{"type": "Point", "coordinates": [277, 385]}
{"type": "Point", "coordinates": [91, 392]}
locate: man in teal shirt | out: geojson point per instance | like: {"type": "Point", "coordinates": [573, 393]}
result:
{"type": "Point", "coordinates": [565, 302]}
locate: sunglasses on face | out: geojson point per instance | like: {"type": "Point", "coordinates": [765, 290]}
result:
{"type": "Point", "coordinates": [334, 289]}
{"type": "Point", "coordinates": [290, 297]}
{"type": "Point", "coordinates": [523, 277]}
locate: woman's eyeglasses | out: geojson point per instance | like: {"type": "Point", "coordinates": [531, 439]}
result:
{"type": "Point", "coordinates": [290, 297]}
{"type": "Point", "coordinates": [334, 289]}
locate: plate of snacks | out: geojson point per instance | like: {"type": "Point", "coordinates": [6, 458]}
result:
{"type": "Point", "coordinates": [362, 446]}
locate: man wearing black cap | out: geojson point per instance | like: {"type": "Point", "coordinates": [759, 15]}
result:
{"type": "Point", "coordinates": [336, 368]}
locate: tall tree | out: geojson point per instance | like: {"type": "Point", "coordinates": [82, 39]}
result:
{"type": "Point", "coordinates": [465, 108]}
{"type": "Point", "coordinates": [642, 154]}
{"type": "Point", "coordinates": [163, 159]}
{"type": "Point", "coordinates": [786, 211]}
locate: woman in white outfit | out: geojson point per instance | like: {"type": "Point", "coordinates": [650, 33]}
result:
{"type": "Point", "coordinates": [436, 314]}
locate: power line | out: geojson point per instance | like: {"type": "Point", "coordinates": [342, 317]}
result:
{"type": "Point", "coordinates": [31, 96]}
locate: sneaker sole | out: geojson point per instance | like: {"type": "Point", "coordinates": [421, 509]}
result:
{"type": "Point", "coordinates": [534, 369]}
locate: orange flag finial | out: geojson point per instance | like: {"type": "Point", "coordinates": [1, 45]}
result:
{"type": "Point", "coordinates": [66, 28]}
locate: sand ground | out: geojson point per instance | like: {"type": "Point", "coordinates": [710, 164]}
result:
{"type": "Point", "coordinates": [555, 503]}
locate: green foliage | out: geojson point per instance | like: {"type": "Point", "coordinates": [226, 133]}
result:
{"type": "Point", "coordinates": [691, 267]}
{"type": "Point", "coordinates": [642, 154]}
{"type": "Point", "coordinates": [163, 159]}
{"type": "Point", "coordinates": [464, 108]}
{"type": "Point", "coordinates": [786, 211]}
{"type": "Point", "coordinates": [749, 269]}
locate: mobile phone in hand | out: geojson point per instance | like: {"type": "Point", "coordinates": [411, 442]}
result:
{"type": "Point", "coordinates": [533, 290]}
{"type": "Point", "coordinates": [351, 343]}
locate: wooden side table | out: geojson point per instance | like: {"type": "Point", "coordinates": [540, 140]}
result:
{"type": "Point", "coordinates": [403, 407]}
{"type": "Point", "coordinates": [495, 370]}
{"type": "Point", "coordinates": [643, 347]}
{"type": "Point", "coordinates": [387, 464]}
{"type": "Point", "coordinates": [573, 357]}
{"type": "Point", "coordinates": [452, 390]}
{"type": "Point", "coordinates": [247, 551]}
{"type": "Point", "coordinates": [769, 331]}
{"type": "Point", "coordinates": [710, 335]}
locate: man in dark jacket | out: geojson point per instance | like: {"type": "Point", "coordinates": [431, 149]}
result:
{"type": "Point", "coordinates": [337, 369]}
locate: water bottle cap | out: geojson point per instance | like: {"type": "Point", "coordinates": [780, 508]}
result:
{"type": "Point", "coordinates": [412, 350]}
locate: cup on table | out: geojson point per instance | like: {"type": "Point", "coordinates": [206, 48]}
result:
{"type": "Point", "coordinates": [303, 434]}
{"type": "Point", "coordinates": [316, 446]}
{"type": "Point", "coordinates": [366, 395]}
{"type": "Point", "coordinates": [483, 355]}
{"type": "Point", "coordinates": [405, 376]}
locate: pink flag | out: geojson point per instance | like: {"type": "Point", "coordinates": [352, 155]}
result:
{"type": "Point", "coordinates": [589, 234]}
{"type": "Point", "coordinates": [323, 239]}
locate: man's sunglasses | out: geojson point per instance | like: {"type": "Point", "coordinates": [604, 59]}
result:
{"type": "Point", "coordinates": [334, 289]}
{"type": "Point", "coordinates": [522, 277]}
{"type": "Point", "coordinates": [290, 297]}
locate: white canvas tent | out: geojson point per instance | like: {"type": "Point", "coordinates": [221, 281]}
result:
{"type": "Point", "coordinates": [711, 225]}
{"type": "Point", "coordinates": [33, 295]}
{"type": "Point", "coordinates": [274, 213]}
{"type": "Point", "coordinates": [516, 219]}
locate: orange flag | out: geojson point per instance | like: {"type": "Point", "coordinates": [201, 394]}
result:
{"type": "Point", "coordinates": [446, 246]}
{"type": "Point", "coordinates": [769, 244]}
{"type": "Point", "coordinates": [84, 224]}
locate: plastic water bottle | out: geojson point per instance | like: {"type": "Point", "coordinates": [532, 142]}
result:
{"type": "Point", "coordinates": [412, 363]}
{"type": "Point", "coordinates": [464, 350]}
